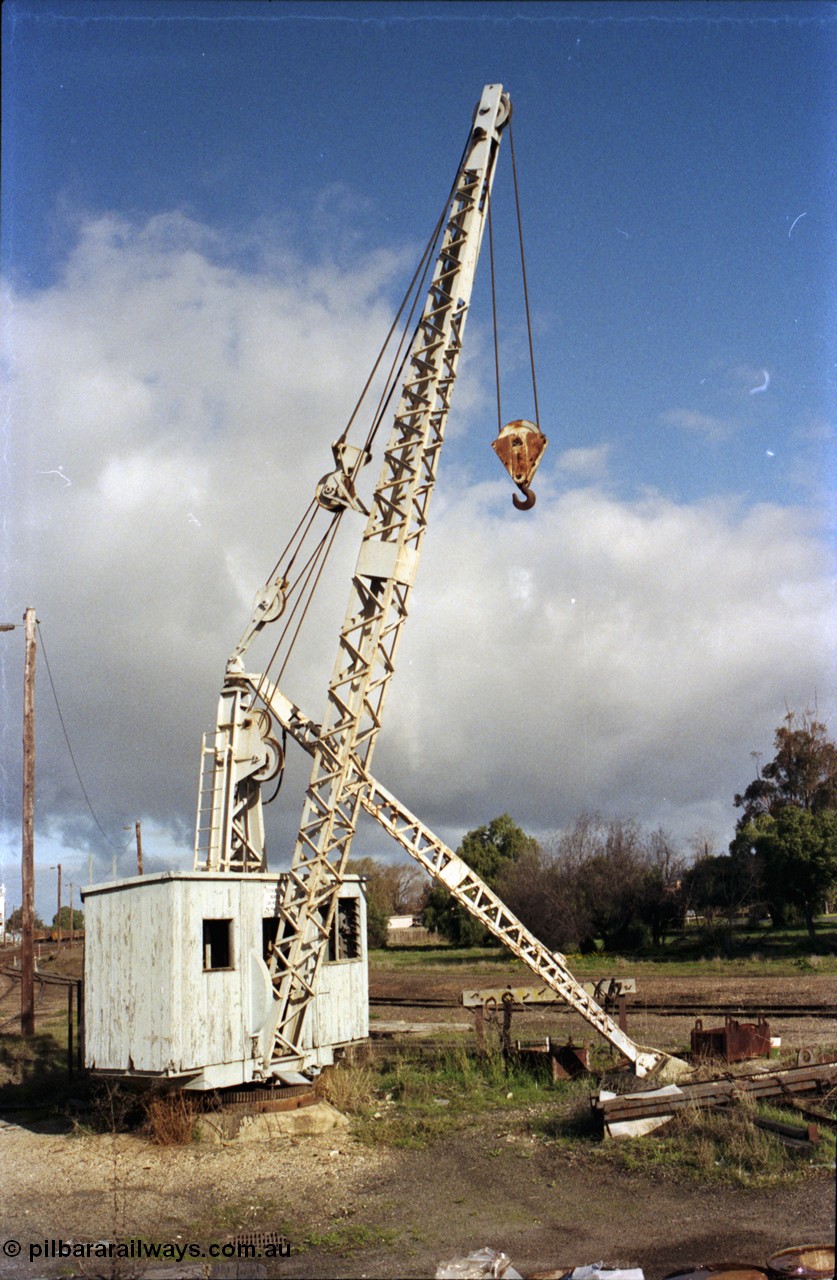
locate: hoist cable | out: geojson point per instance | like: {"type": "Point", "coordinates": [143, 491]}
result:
{"type": "Point", "coordinates": [309, 515]}
{"type": "Point", "coordinates": [420, 271]}
{"type": "Point", "coordinates": [281, 778]}
{"type": "Point", "coordinates": [304, 578]}
{"type": "Point", "coordinates": [416, 290]}
{"type": "Point", "coordinates": [330, 536]}
{"type": "Point", "coordinates": [494, 313]}
{"type": "Point", "coordinates": [523, 269]}
{"type": "Point", "coordinates": [69, 748]}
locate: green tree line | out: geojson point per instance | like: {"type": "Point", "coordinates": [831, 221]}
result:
{"type": "Point", "coordinates": [608, 883]}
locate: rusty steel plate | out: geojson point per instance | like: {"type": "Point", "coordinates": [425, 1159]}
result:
{"type": "Point", "coordinates": [520, 447]}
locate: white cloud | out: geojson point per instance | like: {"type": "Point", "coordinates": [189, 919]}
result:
{"type": "Point", "coordinates": [652, 650]}
{"type": "Point", "coordinates": [593, 653]}
{"type": "Point", "coordinates": [707, 425]}
{"type": "Point", "coordinates": [586, 464]}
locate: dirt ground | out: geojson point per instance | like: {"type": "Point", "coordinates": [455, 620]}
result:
{"type": "Point", "coordinates": [351, 1210]}
{"type": "Point", "coordinates": [379, 1212]}
{"type": "Point", "coordinates": [699, 994]}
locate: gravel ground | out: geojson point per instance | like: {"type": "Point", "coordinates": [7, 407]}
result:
{"type": "Point", "coordinates": [351, 1210]}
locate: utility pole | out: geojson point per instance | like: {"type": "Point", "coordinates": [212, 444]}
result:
{"type": "Point", "coordinates": [27, 943]}
{"type": "Point", "coordinates": [72, 931]}
{"type": "Point", "coordinates": [59, 903]}
{"type": "Point", "coordinates": [139, 849]}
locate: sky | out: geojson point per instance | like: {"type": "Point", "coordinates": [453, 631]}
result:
{"type": "Point", "coordinates": [210, 213]}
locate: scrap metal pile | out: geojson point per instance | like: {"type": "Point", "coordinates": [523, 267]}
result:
{"type": "Point", "coordinates": [635, 1114]}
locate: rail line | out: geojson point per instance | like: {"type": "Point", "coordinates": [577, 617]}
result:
{"type": "Point", "coordinates": [667, 1009]}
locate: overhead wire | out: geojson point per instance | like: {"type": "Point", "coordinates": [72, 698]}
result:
{"type": "Point", "coordinates": [69, 747]}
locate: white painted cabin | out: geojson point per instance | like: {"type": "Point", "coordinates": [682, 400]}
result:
{"type": "Point", "coordinates": [176, 985]}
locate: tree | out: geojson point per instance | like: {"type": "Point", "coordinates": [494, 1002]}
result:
{"type": "Point", "coordinates": [803, 772]}
{"type": "Point", "coordinates": [391, 889]}
{"type": "Point", "coordinates": [788, 828]}
{"type": "Point", "coordinates": [487, 851]}
{"type": "Point", "coordinates": [14, 922]}
{"type": "Point", "coordinates": [78, 919]}
{"type": "Point", "coordinates": [796, 850]}
{"type": "Point", "coordinates": [660, 900]}
{"type": "Point", "coordinates": [597, 879]}
{"type": "Point", "coordinates": [720, 885]}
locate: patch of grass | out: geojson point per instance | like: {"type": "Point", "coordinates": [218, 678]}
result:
{"type": "Point", "coordinates": [455, 1076]}
{"type": "Point", "coordinates": [716, 1147]}
{"type": "Point", "coordinates": [420, 1101]}
{"type": "Point", "coordinates": [348, 1236]}
{"type": "Point", "coordinates": [570, 1121]}
{"type": "Point", "coordinates": [33, 1071]}
{"type": "Point", "coordinates": [409, 1130]}
{"type": "Point", "coordinates": [740, 949]}
{"type": "Point", "coordinates": [458, 958]}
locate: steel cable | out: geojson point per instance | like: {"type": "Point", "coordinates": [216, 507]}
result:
{"type": "Point", "coordinates": [69, 747]}
{"type": "Point", "coordinates": [523, 269]}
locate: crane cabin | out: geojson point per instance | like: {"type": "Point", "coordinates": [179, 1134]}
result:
{"type": "Point", "coordinates": [177, 984]}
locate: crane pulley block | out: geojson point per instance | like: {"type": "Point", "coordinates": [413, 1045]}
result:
{"type": "Point", "coordinates": [336, 490]}
{"type": "Point", "coordinates": [520, 447]}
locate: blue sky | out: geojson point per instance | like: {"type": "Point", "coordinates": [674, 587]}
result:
{"type": "Point", "coordinates": [278, 167]}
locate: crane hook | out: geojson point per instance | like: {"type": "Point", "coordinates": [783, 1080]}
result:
{"type": "Point", "coordinates": [528, 501]}
{"type": "Point", "coordinates": [520, 447]}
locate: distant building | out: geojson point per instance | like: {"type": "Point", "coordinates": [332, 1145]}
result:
{"type": "Point", "coordinates": [402, 922]}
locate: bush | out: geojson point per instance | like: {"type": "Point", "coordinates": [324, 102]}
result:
{"type": "Point", "coordinates": [170, 1119]}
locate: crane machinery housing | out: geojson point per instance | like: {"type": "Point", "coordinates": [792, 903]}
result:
{"type": "Point", "coordinates": [228, 973]}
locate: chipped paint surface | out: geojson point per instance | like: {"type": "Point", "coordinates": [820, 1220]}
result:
{"type": "Point", "coordinates": [176, 983]}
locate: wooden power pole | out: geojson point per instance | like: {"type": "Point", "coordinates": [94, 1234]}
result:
{"type": "Point", "coordinates": [139, 848]}
{"type": "Point", "coordinates": [27, 942]}
{"type": "Point", "coordinates": [58, 922]}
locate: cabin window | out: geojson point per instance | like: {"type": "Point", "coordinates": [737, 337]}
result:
{"type": "Point", "coordinates": [217, 944]}
{"type": "Point", "coordinates": [346, 929]}
{"type": "Point", "coordinates": [343, 941]}
{"type": "Point", "coordinates": [270, 929]}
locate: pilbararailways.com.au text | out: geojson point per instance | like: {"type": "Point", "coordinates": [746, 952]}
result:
{"type": "Point", "coordinates": [174, 1251]}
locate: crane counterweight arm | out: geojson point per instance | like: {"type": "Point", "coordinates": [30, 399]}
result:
{"type": "Point", "coordinates": [465, 885]}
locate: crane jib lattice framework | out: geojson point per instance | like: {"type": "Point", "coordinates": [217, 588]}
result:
{"type": "Point", "coordinates": [244, 752]}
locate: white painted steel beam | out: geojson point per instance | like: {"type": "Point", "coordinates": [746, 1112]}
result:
{"type": "Point", "coordinates": [465, 886]}
{"type": "Point", "coordinates": [383, 578]}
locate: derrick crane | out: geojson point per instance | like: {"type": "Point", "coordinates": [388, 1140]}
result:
{"type": "Point", "coordinates": [245, 750]}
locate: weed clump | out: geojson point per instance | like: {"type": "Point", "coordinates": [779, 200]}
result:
{"type": "Point", "coordinates": [348, 1087]}
{"type": "Point", "coordinates": [170, 1119]}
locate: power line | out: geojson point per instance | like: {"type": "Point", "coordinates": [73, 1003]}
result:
{"type": "Point", "coordinates": [69, 747]}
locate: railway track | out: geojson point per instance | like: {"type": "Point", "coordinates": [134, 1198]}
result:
{"type": "Point", "coordinates": [666, 1009]}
